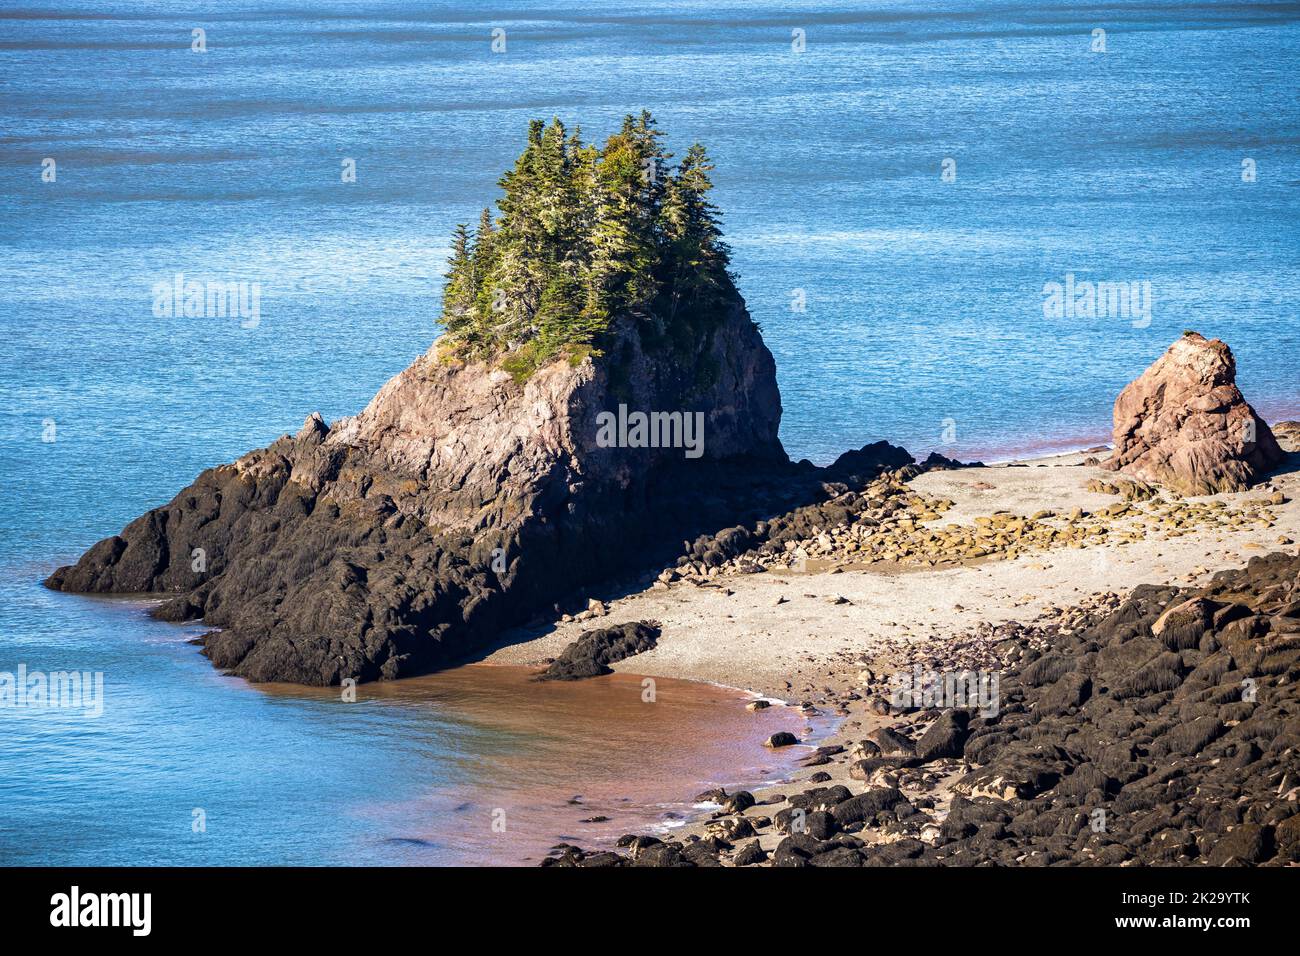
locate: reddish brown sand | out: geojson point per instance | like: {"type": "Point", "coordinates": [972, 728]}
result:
{"type": "Point", "coordinates": [555, 754]}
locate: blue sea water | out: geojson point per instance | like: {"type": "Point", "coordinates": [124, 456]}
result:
{"type": "Point", "coordinates": [922, 317]}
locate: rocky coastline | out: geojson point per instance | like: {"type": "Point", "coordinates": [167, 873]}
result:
{"type": "Point", "coordinates": [1161, 727]}
{"type": "Point", "coordinates": [1151, 725]}
{"type": "Point", "coordinates": [1157, 725]}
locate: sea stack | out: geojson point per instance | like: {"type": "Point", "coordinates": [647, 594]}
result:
{"type": "Point", "coordinates": [484, 483]}
{"type": "Point", "coordinates": [1184, 424]}
{"type": "Point", "coordinates": [388, 543]}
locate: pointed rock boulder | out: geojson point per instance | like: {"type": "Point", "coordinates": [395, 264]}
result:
{"type": "Point", "coordinates": [1183, 423]}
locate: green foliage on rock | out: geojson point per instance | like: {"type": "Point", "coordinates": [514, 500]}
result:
{"type": "Point", "coordinates": [584, 235]}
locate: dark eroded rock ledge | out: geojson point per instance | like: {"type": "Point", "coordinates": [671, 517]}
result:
{"type": "Point", "coordinates": [460, 503]}
{"type": "Point", "coordinates": [1161, 729]}
{"type": "Point", "coordinates": [592, 653]}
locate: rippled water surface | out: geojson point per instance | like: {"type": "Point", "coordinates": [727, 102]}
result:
{"type": "Point", "coordinates": [922, 324]}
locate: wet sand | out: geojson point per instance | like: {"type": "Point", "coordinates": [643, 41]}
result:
{"type": "Point", "coordinates": [549, 760]}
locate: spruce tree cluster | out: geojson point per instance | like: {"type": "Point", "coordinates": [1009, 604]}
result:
{"type": "Point", "coordinates": [584, 235]}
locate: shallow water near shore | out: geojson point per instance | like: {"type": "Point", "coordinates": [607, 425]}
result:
{"type": "Point", "coordinates": [476, 765]}
{"type": "Point", "coordinates": [581, 762]}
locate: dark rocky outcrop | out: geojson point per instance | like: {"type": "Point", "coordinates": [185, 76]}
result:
{"type": "Point", "coordinates": [1184, 424]}
{"type": "Point", "coordinates": [937, 462]}
{"type": "Point", "coordinates": [461, 502]}
{"type": "Point", "coordinates": [750, 855]}
{"type": "Point", "coordinates": [1161, 729]}
{"type": "Point", "coordinates": [592, 653]}
{"type": "Point", "coordinates": [946, 737]}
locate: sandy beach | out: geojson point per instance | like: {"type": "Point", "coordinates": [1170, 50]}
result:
{"type": "Point", "coordinates": [730, 629]}
{"type": "Point", "coordinates": [812, 637]}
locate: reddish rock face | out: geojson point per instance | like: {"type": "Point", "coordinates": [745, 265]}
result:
{"type": "Point", "coordinates": [1184, 424]}
{"type": "Point", "coordinates": [455, 505]}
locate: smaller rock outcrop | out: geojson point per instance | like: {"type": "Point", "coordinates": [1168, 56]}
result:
{"type": "Point", "coordinates": [1183, 423]}
{"type": "Point", "coordinates": [592, 653]}
{"type": "Point", "coordinates": [1288, 435]}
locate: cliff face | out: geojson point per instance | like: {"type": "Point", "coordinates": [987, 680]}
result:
{"type": "Point", "coordinates": [480, 449]}
{"type": "Point", "coordinates": [457, 503]}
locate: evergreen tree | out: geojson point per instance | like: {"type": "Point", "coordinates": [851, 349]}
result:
{"type": "Point", "coordinates": [697, 257]}
{"type": "Point", "coordinates": [629, 182]}
{"type": "Point", "coordinates": [516, 280]}
{"type": "Point", "coordinates": [483, 262]}
{"type": "Point", "coordinates": [586, 235]}
{"type": "Point", "coordinates": [458, 307]}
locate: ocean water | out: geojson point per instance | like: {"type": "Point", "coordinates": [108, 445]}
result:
{"type": "Point", "coordinates": [900, 303]}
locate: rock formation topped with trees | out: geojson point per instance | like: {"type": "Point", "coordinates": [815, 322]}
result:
{"type": "Point", "coordinates": [473, 491]}
{"type": "Point", "coordinates": [585, 234]}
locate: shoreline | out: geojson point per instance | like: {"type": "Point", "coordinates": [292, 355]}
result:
{"type": "Point", "coordinates": [806, 637]}
{"type": "Point", "coordinates": [883, 600]}
{"type": "Point", "coordinates": [1006, 452]}
{"type": "Point", "coordinates": [595, 765]}
{"type": "Point", "coordinates": [811, 637]}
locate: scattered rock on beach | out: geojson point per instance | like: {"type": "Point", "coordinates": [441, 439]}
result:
{"type": "Point", "coordinates": [945, 737]}
{"type": "Point", "coordinates": [750, 854]}
{"type": "Point", "coordinates": [1288, 435]}
{"type": "Point", "coordinates": [592, 653]}
{"type": "Point", "coordinates": [1128, 490]}
{"type": "Point", "coordinates": [889, 523]}
{"type": "Point", "coordinates": [1157, 728]}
